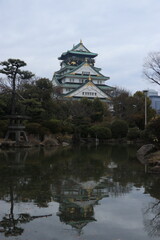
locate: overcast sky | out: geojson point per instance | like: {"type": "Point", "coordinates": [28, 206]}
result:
{"type": "Point", "coordinates": [122, 32]}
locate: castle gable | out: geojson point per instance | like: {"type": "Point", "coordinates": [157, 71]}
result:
{"type": "Point", "coordinates": [86, 69]}
{"type": "Point", "coordinates": [88, 90]}
{"type": "Point", "coordinates": [80, 48]}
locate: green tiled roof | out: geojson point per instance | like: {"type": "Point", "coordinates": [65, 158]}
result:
{"type": "Point", "coordinates": [71, 85]}
{"type": "Point", "coordinates": [91, 98]}
{"type": "Point", "coordinates": [77, 67]}
{"type": "Point", "coordinates": [105, 87]}
{"type": "Point", "coordinates": [77, 85]}
{"type": "Point", "coordinates": [77, 53]}
{"type": "Point", "coordinates": [66, 67]}
{"type": "Point", "coordinates": [84, 76]}
{"type": "Point", "coordinates": [83, 52]}
{"type": "Point", "coordinates": [79, 44]}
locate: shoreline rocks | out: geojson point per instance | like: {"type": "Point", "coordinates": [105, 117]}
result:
{"type": "Point", "coordinates": [150, 156]}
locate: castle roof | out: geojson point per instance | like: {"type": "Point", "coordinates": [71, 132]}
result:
{"type": "Point", "coordinates": [78, 49]}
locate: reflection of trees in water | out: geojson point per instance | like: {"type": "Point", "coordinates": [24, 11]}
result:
{"type": "Point", "coordinates": [10, 224]}
{"type": "Point", "coordinates": [78, 179]}
{"type": "Point", "coordinates": [152, 219]}
{"type": "Point", "coordinates": [152, 212]}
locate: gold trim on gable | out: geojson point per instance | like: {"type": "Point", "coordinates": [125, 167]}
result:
{"type": "Point", "coordinates": [86, 64]}
{"type": "Point", "coordinates": [90, 84]}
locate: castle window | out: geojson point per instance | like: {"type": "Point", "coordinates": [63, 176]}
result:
{"type": "Point", "coordinates": [85, 73]}
{"type": "Point", "coordinates": [71, 79]}
{"type": "Point", "coordinates": [99, 82]}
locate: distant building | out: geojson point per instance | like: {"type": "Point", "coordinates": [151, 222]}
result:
{"type": "Point", "coordinates": [155, 100]}
{"type": "Point", "coordinates": [79, 78]}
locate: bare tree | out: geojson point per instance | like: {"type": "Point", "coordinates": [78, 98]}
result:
{"type": "Point", "coordinates": [151, 67]}
{"type": "Point", "coordinates": [152, 219]}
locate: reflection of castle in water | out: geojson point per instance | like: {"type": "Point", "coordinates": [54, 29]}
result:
{"type": "Point", "coordinates": [77, 199]}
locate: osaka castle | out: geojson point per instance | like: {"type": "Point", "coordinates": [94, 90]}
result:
{"type": "Point", "coordinates": [78, 77]}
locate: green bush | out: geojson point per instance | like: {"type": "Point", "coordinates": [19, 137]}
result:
{"type": "Point", "coordinates": [67, 127]}
{"type": "Point", "coordinates": [3, 128]}
{"type": "Point", "coordinates": [119, 129]}
{"type": "Point", "coordinates": [36, 129]}
{"type": "Point", "coordinates": [153, 130]}
{"type": "Point", "coordinates": [144, 134]}
{"type": "Point", "coordinates": [106, 124]}
{"type": "Point", "coordinates": [100, 132]}
{"type": "Point", "coordinates": [33, 128]}
{"type": "Point", "coordinates": [133, 133]}
{"type": "Point", "coordinates": [53, 125]}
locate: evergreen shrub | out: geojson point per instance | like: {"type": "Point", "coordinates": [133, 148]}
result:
{"type": "Point", "coordinates": [133, 133]}
{"type": "Point", "coordinates": [100, 132]}
{"type": "Point", "coordinates": [36, 129]}
{"type": "Point", "coordinates": [153, 130]}
{"type": "Point", "coordinates": [119, 129]}
{"type": "Point", "coordinates": [3, 128]}
{"type": "Point", "coordinates": [53, 125]}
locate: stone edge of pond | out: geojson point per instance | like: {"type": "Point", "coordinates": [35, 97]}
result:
{"type": "Point", "coordinates": [149, 155]}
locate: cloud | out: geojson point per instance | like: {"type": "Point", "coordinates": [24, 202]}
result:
{"type": "Point", "coordinates": [121, 32]}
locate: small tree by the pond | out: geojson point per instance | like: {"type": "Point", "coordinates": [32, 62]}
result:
{"type": "Point", "coordinates": [12, 69]}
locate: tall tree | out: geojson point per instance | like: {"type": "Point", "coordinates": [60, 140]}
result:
{"type": "Point", "coordinates": [131, 108]}
{"type": "Point", "coordinates": [38, 97]}
{"type": "Point", "coordinates": [151, 67]}
{"type": "Point", "coordinates": [12, 69]}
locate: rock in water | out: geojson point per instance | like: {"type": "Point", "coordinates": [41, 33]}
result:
{"type": "Point", "coordinates": [144, 151]}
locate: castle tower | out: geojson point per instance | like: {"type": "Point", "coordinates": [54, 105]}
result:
{"type": "Point", "coordinates": [78, 77]}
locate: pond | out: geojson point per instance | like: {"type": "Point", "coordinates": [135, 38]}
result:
{"type": "Point", "coordinates": [84, 192]}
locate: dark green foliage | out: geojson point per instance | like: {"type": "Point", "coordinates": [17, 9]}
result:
{"type": "Point", "coordinates": [38, 99]}
{"type": "Point", "coordinates": [98, 110]}
{"type": "Point", "coordinates": [12, 69]}
{"type": "Point", "coordinates": [133, 133]}
{"type": "Point", "coordinates": [153, 130]}
{"type": "Point", "coordinates": [119, 129]}
{"type": "Point", "coordinates": [67, 127]}
{"type": "Point", "coordinates": [106, 124]}
{"type": "Point", "coordinates": [144, 134]}
{"type": "Point", "coordinates": [131, 108]}
{"type": "Point", "coordinates": [3, 127]}
{"type": "Point", "coordinates": [36, 129]}
{"type": "Point", "coordinates": [80, 127]}
{"type": "Point", "coordinates": [53, 125]}
{"type": "Point", "coordinates": [5, 103]}
{"type": "Point", "coordinates": [100, 132]}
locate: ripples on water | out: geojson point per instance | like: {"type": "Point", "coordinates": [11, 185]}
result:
{"type": "Point", "coordinates": [87, 193]}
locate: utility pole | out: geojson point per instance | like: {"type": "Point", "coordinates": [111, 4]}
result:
{"type": "Point", "coordinates": [145, 107]}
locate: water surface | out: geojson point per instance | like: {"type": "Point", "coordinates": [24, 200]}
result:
{"type": "Point", "coordinates": [87, 193]}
